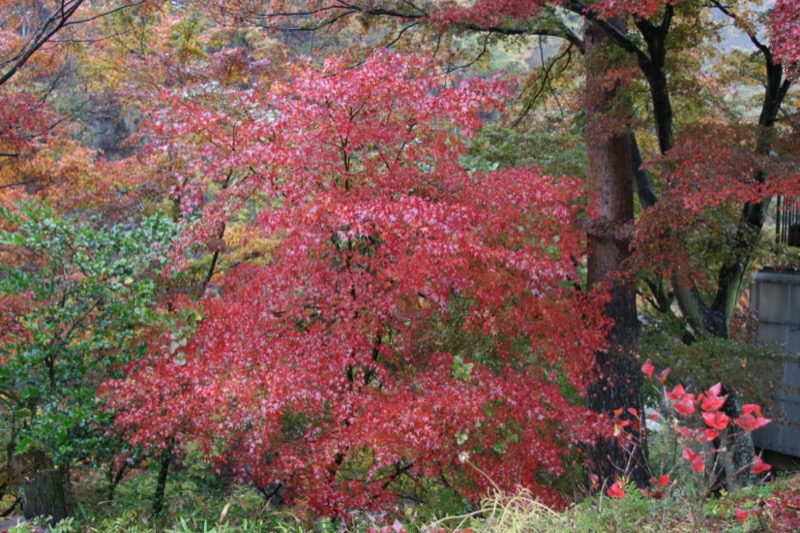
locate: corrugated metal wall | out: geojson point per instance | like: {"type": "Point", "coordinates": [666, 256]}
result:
{"type": "Point", "coordinates": [787, 221]}
{"type": "Point", "coordinates": [775, 298]}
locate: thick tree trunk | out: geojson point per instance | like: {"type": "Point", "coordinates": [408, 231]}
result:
{"type": "Point", "coordinates": [47, 493]}
{"type": "Point", "coordinates": [617, 380]}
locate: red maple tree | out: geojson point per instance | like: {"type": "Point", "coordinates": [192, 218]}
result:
{"type": "Point", "coordinates": [411, 311]}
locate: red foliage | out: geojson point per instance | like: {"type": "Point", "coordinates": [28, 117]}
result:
{"type": "Point", "coordinates": [695, 458]}
{"type": "Point", "coordinates": [648, 369]}
{"type": "Point", "coordinates": [711, 400]}
{"type": "Point", "coordinates": [716, 420]}
{"type": "Point", "coordinates": [684, 401]}
{"type": "Point", "coordinates": [785, 509]}
{"type": "Point", "coordinates": [489, 13]}
{"type": "Point", "coordinates": [699, 444]}
{"type": "Point", "coordinates": [786, 35]}
{"type": "Point", "coordinates": [660, 482]}
{"type": "Point", "coordinates": [741, 516]}
{"type": "Point", "coordinates": [331, 369]}
{"type": "Point", "coordinates": [11, 308]}
{"type": "Point", "coordinates": [703, 194]}
{"type": "Point", "coordinates": [638, 8]}
{"type": "Point", "coordinates": [23, 117]}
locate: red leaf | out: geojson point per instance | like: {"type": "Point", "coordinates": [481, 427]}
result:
{"type": "Point", "coordinates": [660, 482]}
{"type": "Point", "coordinates": [716, 420]}
{"type": "Point", "coordinates": [751, 409]}
{"type": "Point", "coordinates": [677, 393]}
{"type": "Point", "coordinates": [711, 400]}
{"type": "Point", "coordinates": [686, 405]}
{"type": "Point", "coordinates": [759, 466]}
{"type": "Point", "coordinates": [748, 422]}
{"type": "Point", "coordinates": [696, 459]}
{"type": "Point", "coordinates": [741, 516]}
{"type": "Point", "coordinates": [648, 369]}
{"type": "Point", "coordinates": [707, 435]}
{"type": "Point", "coordinates": [616, 491]}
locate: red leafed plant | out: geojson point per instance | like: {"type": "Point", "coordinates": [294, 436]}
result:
{"type": "Point", "coordinates": [703, 442]}
{"type": "Point", "coordinates": [411, 309]}
{"type": "Point", "coordinates": [700, 428]}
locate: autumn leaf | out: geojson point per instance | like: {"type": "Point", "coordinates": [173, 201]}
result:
{"type": "Point", "coordinates": [616, 490]}
{"type": "Point", "coordinates": [759, 466]}
{"type": "Point", "coordinates": [695, 458]}
{"type": "Point", "coordinates": [648, 369]}
{"type": "Point", "coordinates": [716, 420]}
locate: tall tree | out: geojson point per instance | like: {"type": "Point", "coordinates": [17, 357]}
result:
{"type": "Point", "coordinates": [617, 380]}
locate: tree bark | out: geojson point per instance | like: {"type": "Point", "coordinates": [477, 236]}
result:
{"type": "Point", "coordinates": [114, 477]}
{"type": "Point", "coordinates": [163, 474]}
{"type": "Point", "coordinates": [617, 379]}
{"type": "Point", "coordinates": [741, 450]}
{"type": "Point", "coordinates": [47, 493]}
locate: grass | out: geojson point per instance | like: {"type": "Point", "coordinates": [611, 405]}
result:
{"type": "Point", "coordinates": [197, 502]}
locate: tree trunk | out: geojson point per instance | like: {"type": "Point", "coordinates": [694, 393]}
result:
{"type": "Point", "coordinates": [161, 484]}
{"type": "Point", "coordinates": [47, 493]}
{"type": "Point", "coordinates": [618, 379]}
{"type": "Point", "coordinates": [715, 319]}
{"type": "Point", "coordinates": [741, 450]}
{"type": "Point", "coordinates": [114, 477]}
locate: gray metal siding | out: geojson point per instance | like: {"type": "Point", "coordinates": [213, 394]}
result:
{"type": "Point", "coordinates": [775, 298]}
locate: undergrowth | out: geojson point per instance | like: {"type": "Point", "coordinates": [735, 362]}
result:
{"type": "Point", "coordinates": [197, 506]}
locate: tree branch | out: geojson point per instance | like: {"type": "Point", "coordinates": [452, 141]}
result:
{"type": "Point", "coordinates": [56, 22]}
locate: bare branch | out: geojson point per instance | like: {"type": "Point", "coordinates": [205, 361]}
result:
{"type": "Point", "coordinates": [475, 60]}
{"type": "Point", "coordinates": [733, 16]}
{"type": "Point", "coordinates": [547, 68]}
{"type": "Point", "coordinates": [105, 13]}
{"type": "Point", "coordinates": [53, 24]}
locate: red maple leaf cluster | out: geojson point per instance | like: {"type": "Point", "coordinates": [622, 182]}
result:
{"type": "Point", "coordinates": [786, 35]}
